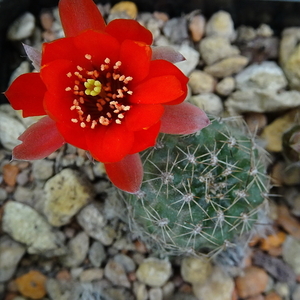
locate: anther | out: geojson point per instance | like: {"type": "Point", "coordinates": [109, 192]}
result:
{"type": "Point", "coordinates": [88, 56]}
{"type": "Point", "coordinates": [69, 74]}
{"type": "Point", "coordinates": [82, 125]}
{"type": "Point", "coordinates": [67, 89]}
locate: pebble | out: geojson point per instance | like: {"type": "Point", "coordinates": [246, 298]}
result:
{"type": "Point", "coordinates": [65, 194]}
{"type": "Point", "coordinates": [140, 291]}
{"type": "Point", "coordinates": [175, 30]}
{"type": "Point", "coordinates": [246, 33]}
{"type": "Point", "coordinates": [42, 169]}
{"type": "Point", "coordinates": [21, 28]}
{"type": "Point", "coordinates": [220, 24]}
{"type": "Point", "coordinates": [192, 59]}
{"type": "Point", "coordinates": [282, 289]}
{"type": "Point", "coordinates": [225, 86]}
{"type": "Point", "coordinates": [215, 48]}
{"type": "Point", "coordinates": [95, 225]}
{"type": "Point", "coordinates": [155, 294]}
{"type": "Point", "coordinates": [195, 270]}
{"type": "Point", "coordinates": [253, 282]}
{"type": "Point", "coordinates": [126, 261]}
{"type": "Point", "coordinates": [264, 30]}
{"type": "Point", "coordinates": [296, 293]}
{"type": "Point", "coordinates": [201, 82]}
{"type": "Point", "coordinates": [218, 286]}
{"type": "Point", "coordinates": [3, 195]}
{"type": "Point", "coordinates": [209, 102]}
{"type": "Point", "coordinates": [197, 27]}
{"type": "Point", "coordinates": [154, 272]}
{"type": "Point", "coordinates": [127, 7]}
{"type": "Point", "coordinates": [290, 253]}
{"type": "Point", "coordinates": [11, 129]}
{"type": "Point", "coordinates": [56, 291]}
{"type": "Point", "coordinates": [288, 222]}
{"type": "Point", "coordinates": [97, 254]}
{"type": "Point", "coordinates": [32, 284]}
{"type": "Point", "coordinates": [10, 254]}
{"type": "Point", "coordinates": [266, 75]}
{"type": "Point", "coordinates": [78, 248]}
{"type": "Point", "coordinates": [274, 296]}
{"type": "Point", "coordinates": [90, 275]}
{"type": "Point", "coordinates": [23, 194]}
{"type": "Point", "coordinates": [27, 226]}
{"type": "Point", "coordinates": [23, 177]}
{"type": "Point", "coordinates": [227, 66]}
{"type": "Point", "coordinates": [256, 122]}
{"type": "Point", "coordinates": [10, 172]}
{"type": "Point", "coordinates": [115, 272]}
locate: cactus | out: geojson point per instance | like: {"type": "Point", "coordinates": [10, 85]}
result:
{"type": "Point", "coordinates": [200, 191]}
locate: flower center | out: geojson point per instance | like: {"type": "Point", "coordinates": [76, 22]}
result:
{"type": "Point", "coordinates": [100, 94]}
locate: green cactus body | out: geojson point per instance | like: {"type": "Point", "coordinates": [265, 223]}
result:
{"type": "Point", "coordinates": [200, 190]}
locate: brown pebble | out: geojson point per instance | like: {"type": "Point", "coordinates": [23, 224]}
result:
{"type": "Point", "coordinates": [276, 173]}
{"type": "Point", "coordinates": [252, 283]}
{"type": "Point", "coordinates": [185, 288]}
{"type": "Point", "coordinates": [10, 296]}
{"type": "Point", "coordinates": [197, 27]}
{"type": "Point", "coordinates": [161, 16]}
{"type": "Point", "coordinates": [256, 122]}
{"type": "Point", "coordinates": [257, 297]}
{"type": "Point", "coordinates": [272, 241]}
{"type": "Point", "coordinates": [10, 173]}
{"type": "Point", "coordinates": [32, 284]}
{"type": "Point", "coordinates": [131, 276]}
{"type": "Point", "coordinates": [140, 247]}
{"type": "Point", "coordinates": [273, 296]}
{"type": "Point", "coordinates": [288, 222]}
{"type": "Point", "coordinates": [63, 275]}
{"type": "Point", "coordinates": [47, 20]}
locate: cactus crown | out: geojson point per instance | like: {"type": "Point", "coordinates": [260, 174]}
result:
{"type": "Point", "coordinates": [200, 190]}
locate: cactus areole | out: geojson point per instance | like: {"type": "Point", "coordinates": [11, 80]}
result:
{"type": "Point", "coordinates": [200, 190]}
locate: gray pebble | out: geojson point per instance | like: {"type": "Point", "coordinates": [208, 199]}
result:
{"type": "Point", "coordinates": [77, 250]}
{"type": "Point", "coordinates": [10, 254]}
{"type": "Point", "coordinates": [115, 272]}
{"type": "Point", "coordinates": [3, 194]}
{"type": "Point", "coordinates": [176, 30]}
{"type": "Point", "coordinates": [97, 254]}
{"type": "Point", "coordinates": [22, 28]}
{"type": "Point", "coordinates": [90, 275]}
{"type": "Point", "coordinates": [290, 253]}
{"type": "Point", "coordinates": [23, 194]}
{"type": "Point", "coordinates": [42, 169]}
{"type": "Point", "coordinates": [23, 177]}
{"type": "Point", "coordinates": [201, 82]}
{"type": "Point", "coordinates": [27, 226]}
{"type": "Point", "coordinates": [125, 261]}
{"type": "Point", "coordinates": [226, 86]}
{"type": "Point", "coordinates": [209, 102]}
{"type": "Point", "coordinates": [155, 294]}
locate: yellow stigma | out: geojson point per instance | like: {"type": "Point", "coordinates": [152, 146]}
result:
{"type": "Point", "coordinates": [93, 87]}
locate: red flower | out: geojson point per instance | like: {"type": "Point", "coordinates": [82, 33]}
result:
{"type": "Point", "coordinates": [102, 89]}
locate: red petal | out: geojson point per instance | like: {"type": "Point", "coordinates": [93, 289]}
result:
{"type": "Point", "coordinates": [135, 58]}
{"type": "Point", "coordinates": [39, 141]}
{"type": "Point", "coordinates": [97, 44]}
{"type": "Point", "coordinates": [144, 139]}
{"type": "Point", "coordinates": [73, 134]}
{"type": "Point", "coordinates": [27, 93]}
{"type": "Point", "coordinates": [183, 118]}
{"type": "Point", "coordinates": [157, 90]}
{"type": "Point", "coordinates": [109, 143]}
{"type": "Point", "coordinates": [129, 30]}
{"type": "Point", "coordinates": [126, 174]}
{"type": "Point", "coordinates": [60, 49]}
{"type": "Point", "coordinates": [80, 15]}
{"type": "Point", "coordinates": [143, 116]}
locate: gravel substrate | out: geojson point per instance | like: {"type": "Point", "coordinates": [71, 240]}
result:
{"type": "Point", "coordinates": [65, 233]}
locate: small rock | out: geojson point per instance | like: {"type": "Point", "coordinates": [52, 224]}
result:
{"type": "Point", "coordinates": [215, 48]}
{"type": "Point", "coordinates": [154, 272]}
{"type": "Point", "coordinates": [201, 82]}
{"type": "Point", "coordinates": [176, 30]}
{"type": "Point", "coordinates": [11, 129]}
{"type": "Point", "coordinates": [256, 122]}
{"type": "Point", "coordinates": [65, 194]}
{"type": "Point", "coordinates": [42, 169]}
{"type": "Point", "coordinates": [127, 7]}
{"type": "Point", "coordinates": [296, 293]}
{"type": "Point", "coordinates": [90, 275]}
{"type": "Point", "coordinates": [24, 195]}
{"type": "Point", "coordinates": [10, 172]}
{"type": "Point", "coordinates": [226, 86]}
{"type": "Point", "coordinates": [195, 270]}
{"type": "Point", "coordinates": [220, 24]}
{"type": "Point", "coordinates": [10, 254]}
{"type": "Point", "coordinates": [227, 66]}
{"type": "Point", "coordinates": [47, 20]}
{"type": "Point", "coordinates": [290, 253]}
{"type": "Point", "coordinates": [94, 223]}
{"type": "Point", "coordinates": [116, 274]}
{"type": "Point", "coordinates": [97, 254]}
{"type": "Point", "coordinates": [197, 27]}
{"type": "Point", "coordinates": [275, 296]}
{"type": "Point", "coordinates": [264, 30]}
{"type": "Point", "coordinates": [209, 102]}
{"type": "Point", "coordinates": [252, 282]}
{"type": "Point", "coordinates": [288, 222]}
{"type": "Point", "coordinates": [192, 59]}
{"type": "Point", "coordinates": [77, 250]}
{"type": "Point", "coordinates": [22, 28]}
{"type": "Point", "coordinates": [245, 33]}
{"type": "Point", "coordinates": [218, 286]}
{"type": "Point", "coordinates": [32, 284]}
{"type": "Point", "coordinates": [3, 195]}
{"type": "Point", "coordinates": [56, 291]}
{"type": "Point", "coordinates": [140, 291]}
{"type": "Point", "coordinates": [27, 226]}
{"type": "Point", "coordinates": [282, 290]}
{"type": "Point", "coordinates": [266, 75]}
{"type": "Point", "coordinates": [155, 294]}
{"type": "Point", "coordinates": [127, 262]}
